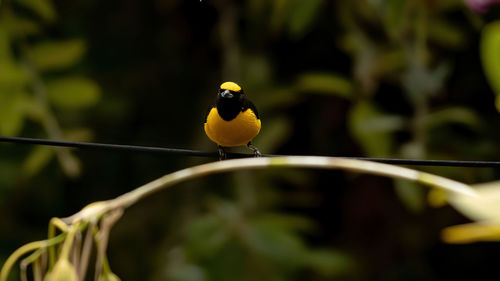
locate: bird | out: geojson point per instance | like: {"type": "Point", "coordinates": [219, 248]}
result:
{"type": "Point", "coordinates": [232, 120]}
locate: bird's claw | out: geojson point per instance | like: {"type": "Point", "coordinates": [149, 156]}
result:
{"type": "Point", "coordinates": [255, 150]}
{"type": "Point", "coordinates": [222, 153]}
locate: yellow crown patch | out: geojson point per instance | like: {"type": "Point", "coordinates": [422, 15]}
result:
{"type": "Point", "coordinates": [231, 86]}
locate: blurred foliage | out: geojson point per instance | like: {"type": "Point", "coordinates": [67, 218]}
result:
{"type": "Point", "coordinates": [266, 246]}
{"type": "Point", "coordinates": [387, 78]}
{"type": "Point", "coordinates": [490, 44]}
{"type": "Point", "coordinates": [482, 210]}
{"type": "Point", "coordinates": [30, 88]}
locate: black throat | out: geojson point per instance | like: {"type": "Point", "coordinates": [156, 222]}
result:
{"type": "Point", "coordinates": [228, 108]}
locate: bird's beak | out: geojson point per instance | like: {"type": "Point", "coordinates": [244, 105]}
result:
{"type": "Point", "coordinates": [226, 94]}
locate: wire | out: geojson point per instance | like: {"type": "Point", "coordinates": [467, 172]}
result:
{"type": "Point", "coordinates": [105, 146]}
{"type": "Point", "coordinates": [199, 153]}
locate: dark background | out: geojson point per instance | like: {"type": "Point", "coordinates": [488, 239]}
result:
{"type": "Point", "coordinates": [386, 78]}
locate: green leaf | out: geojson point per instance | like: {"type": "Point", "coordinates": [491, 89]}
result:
{"type": "Point", "coordinates": [18, 26]}
{"type": "Point", "coordinates": [12, 75]}
{"type": "Point", "coordinates": [12, 107]}
{"type": "Point", "coordinates": [5, 51]}
{"type": "Point", "coordinates": [277, 97]}
{"type": "Point", "coordinates": [325, 83]}
{"type": "Point", "coordinates": [419, 81]}
{"type": "Point", "coordinates": [302, 15]}
{"type": "Point", "coordinates": [206, 236]}
{"type": "Point", "coordinates": [57, 55]}
{"type": "Point", "coordinates": [329, 262]}
{"type": "Point", "coordinates": [285, 221]}
{"type": "Point", "coordinates": [43, 8]}
{"type": "Point", "coordinates": [446, 34]}
{"type": "Point", "coordinates": [37, 160]}
{"type": "Point", "coordinates": [279, 12]}
{"type": "Point", "coordinates": [8, 174]}
{"type": "Point", "coordinates": [256, 70]}
{"type": "Point", "coordinates": [411, 194]}
{"type": "Point", "coordinates": [276, 243]}
{"type": "Point", "coordinates": [35, 110]}
{"type": "Point", "coordinates": [187, 272]}
{"type": "Point", "coordinates": [490, 55]}
{"type": "Point", "coordinates": [109, 276]}
{"type": "Point", "coordinates": [448, 5]}
{"type": "Point", "coordinates": [459, 115]}
{"type": "Point", "coordinates": [70, 164]}
{"type": "Point", "coordinates": [276, 133]}
{"type": "Point", "coordinates": [437, 198]}
{"type": "Point", "coordinates": [230, 263]}
{"type": "Point", "coordinates": [73, 92]}
{"type": "Point", "coordinates": [372, 128]}
{"type": "Point", "coordinates": [389, 62]}
{"type": "Point", "coordinates": [394, 15]}
{"type": "Point", "coordinates": [79, 134]}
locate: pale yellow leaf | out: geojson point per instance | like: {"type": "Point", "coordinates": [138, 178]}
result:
{"type": "Point", "coordinates": [485, 207]}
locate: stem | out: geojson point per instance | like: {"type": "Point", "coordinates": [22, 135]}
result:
{"type": "Point", "coordinates": [76, 249]}
{"type": "Point", "coordinates": [86, 251]}
{"type": "Point", "coordinates": [69, 241]}
{"type": "Point", "coordinates": [68, 162]}
{"type": "Point", "coordinates": [17, 255]}
{"type": "Point", "coordinates": [101, 239]}
{"type": "Point", "coordinates": [31, 258]}
{"type": "Point", "coordinates": [37, 271]}
{"type": "Point", "coordinates": [4, 273]}
{"type": "Point", "coordinates": [98, 209]}
{"type": "Point", "coordinates": [54, 222]}
{"type": "Point", "coordinates": [421, 106]}
{"type": "Point", "coordinates": [420, 125]}
{"type": "Point", "coordinates": [421, 32]}
{"type": "Point", "coordinates": [228, 32]}
{"type": "Point", "coordinates": [11, 260]}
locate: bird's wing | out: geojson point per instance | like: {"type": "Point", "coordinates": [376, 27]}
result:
{"type": "Point", "coordinates": [208, 112]}
{"type": "Point", "coordinates": [248, 104]}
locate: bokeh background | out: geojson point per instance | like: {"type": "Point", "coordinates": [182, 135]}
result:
{"type": "Point", "coordinates": [376, 78]}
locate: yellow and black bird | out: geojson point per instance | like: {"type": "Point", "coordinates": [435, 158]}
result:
{"type": "Point", "coordinates": [232, 120]}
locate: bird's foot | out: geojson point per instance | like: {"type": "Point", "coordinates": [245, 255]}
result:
{"type": "Point", "coordinates": [222, 153]}
{"type": "Point", "coordinates": [255, 150]}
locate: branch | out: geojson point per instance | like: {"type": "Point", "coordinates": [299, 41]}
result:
{"type": "Point", "coordinates": [97, 209]}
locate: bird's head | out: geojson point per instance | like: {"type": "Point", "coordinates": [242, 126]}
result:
{"type": "Point", "coordinates": [230, 91]}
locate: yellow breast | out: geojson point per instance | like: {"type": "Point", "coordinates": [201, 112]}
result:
{"type": "Point", "coordinates": [237, 132]}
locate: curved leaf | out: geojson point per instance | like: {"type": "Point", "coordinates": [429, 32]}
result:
{"type": "Point", "coordinates": [206, 236]}
{"type": "Point", "coordinates": [373, 129]}
{"type": "Point", "coordinates": [460, 115]}
{"type": "Point", "coordinates": [13, 113]}
{"type": "Point", "coordinates": [484, 207]}
{"type": "Point", "coordinates": [302, 16]}
{"type": "Point", "coordinates": [18, 26]}
{"type": "Point", "coordinates": [37, 160]}
{"type": "Point", "coordinates": [490, 54]}
{"type": "Point", "coordinates": [73, 92]}
{"type": "Point", "coordinates": [326, 83]}
{"type": "Point", "coordinates": [329, 262]}
{"type": "Point", "coordinates": [56, 55]}
{"type": "Point", "coordinates": [43, 8]}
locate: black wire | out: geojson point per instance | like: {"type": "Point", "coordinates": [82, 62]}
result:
{"type": "Point", "coordinates": [188, 152]}
{"type": "Point", "coordinates": [105, 146]}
